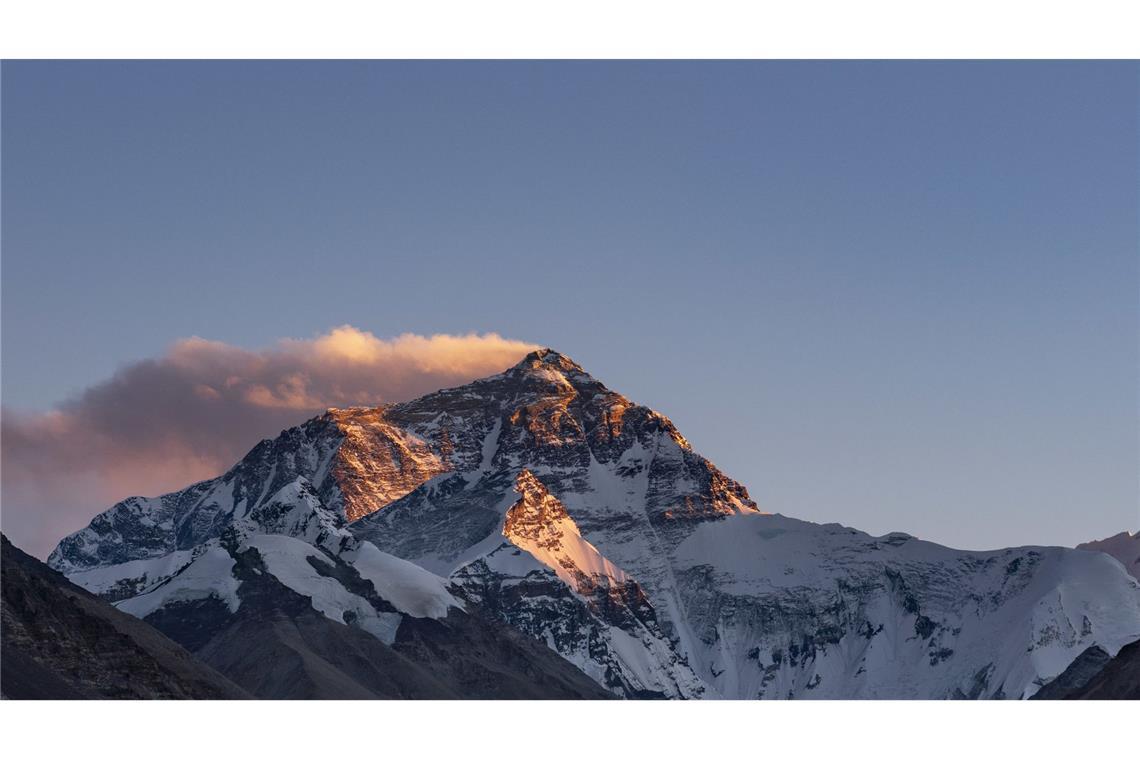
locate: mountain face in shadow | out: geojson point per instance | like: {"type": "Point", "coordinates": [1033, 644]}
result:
{"type": "Point", "coordinates": [1118, 679]}
{"type": "Point", "coordinates": [61, 642]}
{"type": "Point", "coordinates": [278, 646]}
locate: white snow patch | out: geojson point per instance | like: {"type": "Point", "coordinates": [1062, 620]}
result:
{"type": "Point", "coordinates": [144, 573]}
{"type": "Point", "coordinates": [287, 559]}
{"type": "Point", "coordinates": [409, 587]}
{"type": "Point", "coordinates": [210, 575]}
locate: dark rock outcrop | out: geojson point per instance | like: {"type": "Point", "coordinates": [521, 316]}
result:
{"type": "Point", "coordinates": [1118, 679]}
{"type": "Point", "coordinates": [1075, 677]}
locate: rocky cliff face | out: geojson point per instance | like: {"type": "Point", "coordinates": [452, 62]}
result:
{"type": "Point", "coordinates": [548, 581]}
{"type": "Point", "coordinates": [541, 499]}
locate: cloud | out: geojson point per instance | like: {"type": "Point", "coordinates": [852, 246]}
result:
{"type": "Point", "coordinates": [161, 424]}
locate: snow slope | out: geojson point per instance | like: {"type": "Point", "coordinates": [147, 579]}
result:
{"type": "Point", "coordinates": [410, 588]}
{"type": "Point", "coordinates": [301, 543]}
{"type": "Point", "coordinates": [210, 575]}
{"type": "Point", "coordinates": [790, 608]}
{"type": "Point", "coordinates": [548, 581]}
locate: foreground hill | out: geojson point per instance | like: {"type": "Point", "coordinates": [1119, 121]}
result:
{"type": "Point", "coordinates": [61, 642]}
{"type": "Point", "coordinates": [541, 501]}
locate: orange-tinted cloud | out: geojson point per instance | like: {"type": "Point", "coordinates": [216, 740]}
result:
{"type": "Point", "coordinates": [161, 424]}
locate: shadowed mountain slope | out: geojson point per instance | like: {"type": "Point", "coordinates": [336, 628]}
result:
{"type": "Point", "coordinates": [1118, 679]}
{"type": "Point", "coordinates": [61, 642]}
{"type": "Point", "coordinates": [278, 645]}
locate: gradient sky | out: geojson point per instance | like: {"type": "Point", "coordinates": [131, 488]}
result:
{"type": "Point", "coordinates": [900, 296]}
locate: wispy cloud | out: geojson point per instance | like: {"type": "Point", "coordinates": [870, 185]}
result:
{"type": "Point", "coordinates": [163, 423]}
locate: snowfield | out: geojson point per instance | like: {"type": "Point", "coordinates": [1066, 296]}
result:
{"type": "Point", "coordinates": [413, 590]}
{"type": "Point", "coordinates": [210, 575]}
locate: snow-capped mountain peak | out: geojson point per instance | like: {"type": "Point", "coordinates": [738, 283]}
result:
{"type": "Point", "coordinates": [542, 498]}
{"type": "Point", "coordinates": [548, 359]}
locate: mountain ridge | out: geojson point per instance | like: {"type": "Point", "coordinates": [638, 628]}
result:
{"type": "Point", "coordinates": [1124, 547]}
{"type": "Point", "coordinates": [700, 594]}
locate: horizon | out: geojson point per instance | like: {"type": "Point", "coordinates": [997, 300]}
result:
{"type": "Point", "coordinates": [899, 296]}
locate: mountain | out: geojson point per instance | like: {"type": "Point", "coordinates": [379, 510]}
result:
{"type": "Point", "coordinates": [61, 642]}
{"type": "Point", "coordinates": [1095, 675]}
{"type": "Point", "coordinates": [302, 624]}
{"type": "Point", "coordinates": [541, 501]}
{"type": "Point", "coordinates": [1118, 679]}
{"type": "Point", "coordinates": [1124, 547]}
{"type": "Point", "coordinates": [1075, 677]}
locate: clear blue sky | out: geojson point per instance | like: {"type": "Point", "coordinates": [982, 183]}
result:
{"type": "Point", "coordinates": [902, 296]}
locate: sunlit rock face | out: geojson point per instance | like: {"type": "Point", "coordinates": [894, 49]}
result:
{"type": "Point", "coordinates": [547, 581]}
{"type": "Point", "coordinates": [377, 461]}
{"type": "Point", "coordinates": [540, 498]}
